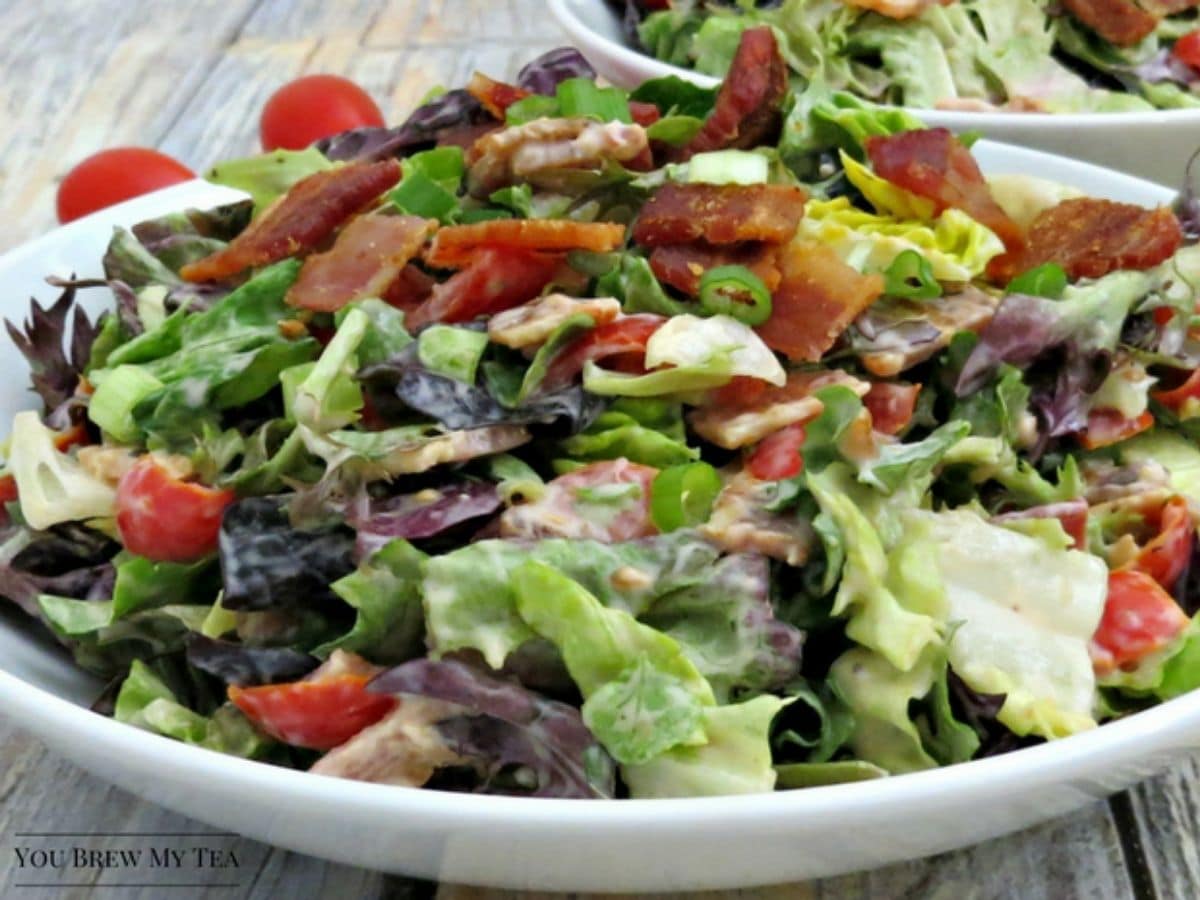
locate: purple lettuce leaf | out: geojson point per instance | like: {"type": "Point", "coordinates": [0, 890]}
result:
{"type": "Point", "coordinates": [67, 561]}
{"type": "Point", "coordinates": [979, 711]}
{"type": "Point", "coordinates": [508, 726]}
{"type": "Point", "coordinates": [544, 74]}
{"type": "Point", "coordinates": [420, 131]}
{"type": "Point", "coordinates": [1187, 204]}
{"type": "Point", "coordinates": [421, 515]}
{"type": "Point", "coordinates": [246, 666]}
{"type": "Point", "coordinates": [55, 363]}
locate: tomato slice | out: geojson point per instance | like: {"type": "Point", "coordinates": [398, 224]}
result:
{"type": "Point", "coordinates": [778, 456]}
{"type": "Point", "coordinates": [1166, 557]}
{"type": "Point", "coordinates": [1140, 618]}
{"type": "Point", "coordinates": [626, 335]}
{"type": "Point", "coordinates": [164, 518]}
{"type": "Point", "coordinates": [1183, 400]}
{"type": "Point", "coordinates": [1107, 426]}
{"type": "Point", "coordinates": [644, 113]}
{"type": "Point", "coordinates": [1187, 49]}
{"type": "Point", "coordinates": [319, 714]}
{"type": "Point", "coordinates": [891, 405]}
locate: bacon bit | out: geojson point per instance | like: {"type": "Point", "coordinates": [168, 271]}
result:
{"type": "Point", "coordinates": [366, 258]}
{"type": "Point", "coordinates": [741, 422]}
{"type": "Point", "coordinates": [898, 9]}
{"type": "Point", "coordinates": [749, 107]}
{"type": "Point", "coordinates": [931, 163]}
{"type": "Point", "coordinates": [411, 288]}
{"type": "Point", "coordinates": [496, 96]}
{"type": "Point", "coordinates": [741, 389]}
{"type": "Point", "coordinates": [1121, 22]}
{"type": "Point", "coordinates": [682, 265]}
{"type": "Point", "coordinates": [719, 214]}
{"type": "Point", "coordinates": [741, 523]}
{"type": "Point", "coordinates": [891, 405]}
{"type": "Point", "coordinates": [301, 220]}
{"type": "Point", "coordinates": [646, 114]}
{"type": "Point", "coordinates": [624, 337]}
{"type": "Point", "coordinates": [497, 279]}
{"type": "Point", "coordinates": [1106, 427]}
{"type": "Point", "coordinates": [292, 329]}
{"type": "Point", "coordinates": [457, 245]}
{"type": "Point", "coordinates": [816, 301]}
{"type": "Point", "coordinates": [1090, 238]}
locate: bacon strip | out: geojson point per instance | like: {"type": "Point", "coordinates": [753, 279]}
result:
{"type": "Point", "coordinates": [683, 265]}
{"type": "Point", "coordinates": [409, 289]}
{"type": "Point", "coordinates": [1090, 238]}
{"type": "Point", "coordinates": [816, 301]}
{"type": "Point", "coordinates": [1122, 22]}
{"type": "Point", "coordinates": [301, 220]}
{"type": "Point", "coordinates": [496, 96]}
{"type": "Point", "coordinates": [366, 258]}
{"type": "Point", "coordinates": [931, 163]}
{"type": "Point", "coordinates": [458, 245]}
{"type": "Point", "coordinates": [719, 214]}
{"type": "Point", "coordinates": [749, 106]}
{"type": "Point", "coordinates": [497, 279]}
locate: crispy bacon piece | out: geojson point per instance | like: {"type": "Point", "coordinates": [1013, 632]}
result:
{"type": "Point", "coordinates": [719, 214]}
{"type": "Point", "coordinates": [410, 289]}
{"type": "Point", "coordinates": [1122, 22]}
{"type": "Point", "coordinates": [816, 301]}
{"type": "Point", "coordinates": [682, 265]}
{"type": "Point", "coordinates": [898, 9]}
{"type": "Point", "coordinates": [301, 220]}
{"type": "Point", "coordinates": [748, 110]}
{"type": "Point", "coordinates": [931, 163]}
{"type": "Point", "coordinates": [1090, 238]}
{"type": "Point", "coordinates": [366, 258]}
{"type": "Point", "coordinates": [496, 96]}
{"type": "Point", "coordinates": [498, 278]}
{"type": "Point", "coordinates": [458, 245]}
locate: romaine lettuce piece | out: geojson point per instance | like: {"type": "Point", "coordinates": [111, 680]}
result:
{"type": "Point", "coordinates": [1178, 455]}
{"type": "Point", "coordinates": [646, 431]}
{"type": "Point", "coordinates": [386, 336]}
{"type": "Point", "coordinates": [1022, 623]}
{"type": "Point", "coordinates": [329, 396]}
{"type": "Point", "coordinates": [451, 351]}
{"type": "Point", "coordinates": [52, 487]}
{"type": "Point", "coordinates": [722, 342]}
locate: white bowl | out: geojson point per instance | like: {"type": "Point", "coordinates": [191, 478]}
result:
{"type": "Point", "coordinates": [1155, 145]}
{"type": "Point", "coordinates": [632, 845]}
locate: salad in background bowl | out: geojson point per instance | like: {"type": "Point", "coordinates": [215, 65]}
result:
{"type": "Point", "coordinates": [568, 443]}
{"type": "Point", "coordinates": [1010, 71]}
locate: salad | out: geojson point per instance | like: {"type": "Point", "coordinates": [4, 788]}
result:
{"type": "Point", "coordinates": [568, 442]}
{"type": "Point", "coordinates": [1012, 55]}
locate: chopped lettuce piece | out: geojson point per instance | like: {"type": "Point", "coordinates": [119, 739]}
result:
{"type": "Point", "coordinates": [692, 342]}
{"type": "Point", "coordinates": [451, 351]}
{"type": "Point", "coordinates": [52, 486]}
{"type": "Point", "coordinates": [728, 167]}
{"type": "Point", "coordinates": [329, 396]}
{"type": "Point", "coordinates": [269, 176]}
{"type": "Point", "coordinates": [647, 431]}
{"type": "Point", "coordinates": [1174, 452]}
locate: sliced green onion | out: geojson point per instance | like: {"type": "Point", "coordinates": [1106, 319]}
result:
{"type": "Point", "coordinates": [445, 165]}
{"type": "Point", "coordinates": [111, 406]}
{"type": "Point", "coordinates": [583, 97]}
{"type": "Point", "coordinates": [535, 106]}
{"type": "Point", "coordinates": [683, 496]}
{"type": "Point", "coordinates": [910, 276]}
{"type": "Point", "coordinates": [674, 130]}
{"type": "Point", "coordinates": [736, 292]}
{"type": "Point", "coordinates": [420, 195]}
{"type": "Point", "coordinates": [1048, 280]}
{"type": "Point", "coordinates": [728, 167]}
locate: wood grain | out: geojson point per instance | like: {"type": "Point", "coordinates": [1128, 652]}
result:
{"type": "Point", "coordinates": [81, 75]}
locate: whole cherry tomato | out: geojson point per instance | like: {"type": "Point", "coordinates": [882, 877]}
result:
{"type": "Point", "coordinates": [315, 107]}
{"type": "Point", "coordinates": [111, 176]}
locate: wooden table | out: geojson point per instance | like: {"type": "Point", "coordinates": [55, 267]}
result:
{"type": "Point", "coordinates": [190, 78]}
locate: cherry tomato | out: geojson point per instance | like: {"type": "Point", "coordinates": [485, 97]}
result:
{"type": "Point", "coordinates": [1139, 618]}
{"type": "Point", "coordinates": [315, 107]}
{"type": "Point", "coordinates": [891, 405]}
{"type": "Point", "coordinates": [1166, 557]}
{"type": "Point", "coordinates": [318, 714]}
{"type": "Point", "coordinates": [1107, 426]}
{"type": "Point", "coordinates": [111, 176]}
{"type": "Point", "coordinates": [626, 335]}
{"type": "Point", "coordinates": [778, 455]}
{"type": "Point", "coordinates": [1187, 49]}
{"type": "Point", "coordinates": [1183, 400]}
{"type": "Point", "coordinates": [8, 489]}
{"type": "Point", "coordinates": [166, 519]}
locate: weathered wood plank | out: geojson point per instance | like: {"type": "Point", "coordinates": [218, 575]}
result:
{"type": "Point", "coordinates": [82, 75]}
{"type": "Point", "coordinates": [1167, 811]}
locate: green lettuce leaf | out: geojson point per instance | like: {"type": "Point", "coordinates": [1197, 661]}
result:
{"type": "Point", "coordinates": [647, 431]}
{"type": "Point", "coordinates": [269, 176]}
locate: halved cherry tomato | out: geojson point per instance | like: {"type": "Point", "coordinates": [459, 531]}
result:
{"type": "Point", "coordinates": [626, 335]}
{"type": "Point", "coordinates": [166, 519]}
{"type": "Point", "coordinates": [8, 489]}
{"type": "Point", "coordinates": [778, 455]}
{"type": "Point", "coordinates": [1183, 400]}
{"type": "Point", "coordinates": [1139, 618]}
{"type": "Point", "coordinates": [1187, 49]}
{"type": "Point", "coordinates": [111, 176]}
{"type": "Point", "coordinates": [1166, 557]}
{"type": "Point", "coordinates": [318, 714]}
{"type": "Point", "coordinates": [315, 107]}
{"type": "Point", "coordinates": [891, 405]}
{"type": "Point", "coordinates": [1107, 426]}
